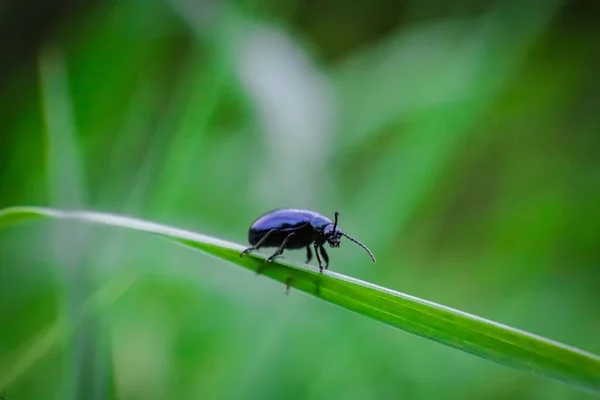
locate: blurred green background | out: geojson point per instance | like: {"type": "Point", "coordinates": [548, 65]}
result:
{"type": "Point", "coordinates": [458, 140]}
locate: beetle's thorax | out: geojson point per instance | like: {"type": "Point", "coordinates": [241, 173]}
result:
{"type": "Point", "coordinates": [326, 231]}
{"type": "Point", "coordinates": [319, 223]}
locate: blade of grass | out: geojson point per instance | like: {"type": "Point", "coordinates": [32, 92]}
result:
{"type": "Point", "coordinates": [60, 331]}
{"type": "Point", "coordinates": [66, 189]}
{"type": "Point", "coordinates": [474, 335]}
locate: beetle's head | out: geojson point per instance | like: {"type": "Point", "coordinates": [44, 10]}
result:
{"type": "Point", "coordinates": [333, 236]}
{"type": "Point", "coordinates": [332, 233]}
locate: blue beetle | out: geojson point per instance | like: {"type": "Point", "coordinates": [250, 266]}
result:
{"type": "Point", "coordinates": [290, 228]}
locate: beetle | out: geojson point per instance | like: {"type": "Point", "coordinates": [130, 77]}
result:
{"type": "Point", "coordinates": [292, 229]}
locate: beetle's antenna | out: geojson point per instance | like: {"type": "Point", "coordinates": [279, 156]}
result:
{"type": "Point", "coordinates": [361, 245]}
{"type": "Point", "coordinates": [337, 214]}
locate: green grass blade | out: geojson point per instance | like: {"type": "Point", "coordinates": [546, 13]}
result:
{"type": "Point", "coordinates": [444, 325]}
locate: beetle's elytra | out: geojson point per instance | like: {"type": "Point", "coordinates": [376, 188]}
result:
{"type": "Point", "coordinates": [290, 228]}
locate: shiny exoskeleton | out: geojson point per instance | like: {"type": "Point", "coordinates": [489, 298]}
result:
{"type": "Point", "coordinates": [290, 228]}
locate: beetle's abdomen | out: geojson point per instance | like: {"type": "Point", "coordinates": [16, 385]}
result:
{"type": "Point", "coordinates": [282, 222]}
{"type": "Point", "coordinates": [302, 237]}
{"type": "Point", "coordinates": [283, 219]}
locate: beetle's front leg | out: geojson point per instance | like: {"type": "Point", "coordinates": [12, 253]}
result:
{"type": "Point", "coordinates": [324, 255]}
{"type": "Point", "coordinates": [318, 257]}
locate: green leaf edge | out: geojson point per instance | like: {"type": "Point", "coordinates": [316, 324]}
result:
{"type": "Point", "coordinates": [471, 334]}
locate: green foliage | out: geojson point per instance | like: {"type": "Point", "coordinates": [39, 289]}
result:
{"type": "Point", "coordinates": [453, 328]}
{"type": "Point", "coordinates": [458, 141]}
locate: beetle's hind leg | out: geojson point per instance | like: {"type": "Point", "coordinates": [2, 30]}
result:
{"type": "Point", "coordinates": [257, 245]}
{"type": "Point", "coordinates": [280, 248]}
{"type": "Point", "coordinates": [308, 254]}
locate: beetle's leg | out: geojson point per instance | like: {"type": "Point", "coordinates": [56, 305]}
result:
{"type": "Point", "coordinates": [308, 254]}
{"type": "Point", "coordinates": [324, 255]}
{"type": "Point", "coordinates": [288, 281]}
{"type": "Point", "coordinates": [318, 257]}
{"type": "Point", "coordinates": [280, 248]}
{"type": "Point", "coordinates": [260, 243]}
